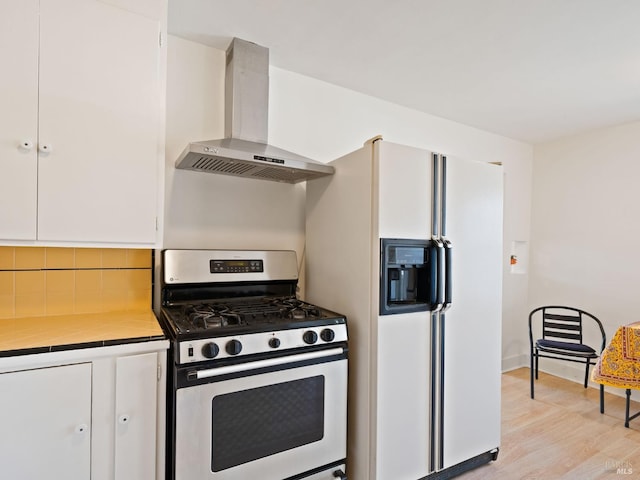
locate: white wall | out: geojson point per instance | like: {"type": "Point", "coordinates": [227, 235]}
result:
{"type": "Point", "coordinates": [323, 122]}
{"type": "Point", "coordinates": [585, 227]}
{"type": "Point", "coordinates": [515, 288]}
{"type": "Point", "coordinates": [212, 211]}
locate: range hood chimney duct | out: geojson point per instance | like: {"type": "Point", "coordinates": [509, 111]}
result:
{"type": "Point", "coordinates": [246, 92]}
{"type": "Point", "coordinates": [244, 151]}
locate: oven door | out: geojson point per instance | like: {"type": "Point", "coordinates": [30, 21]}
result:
{"type": "Point", "coordinates": [269, 419]}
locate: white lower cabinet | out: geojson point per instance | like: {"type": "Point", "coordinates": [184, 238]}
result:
{"type": "Point", "coordinates": [84, 414]}
{"type": "Point", "coordinates": [45, 417]}
{"type": "Point", "coordinates": [135, 416]}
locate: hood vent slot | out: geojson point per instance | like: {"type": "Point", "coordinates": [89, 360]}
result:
{"type": "Point", "coordinates": [243, 151]}
{"type": "Point", "coordinates": [236, 168]}
{"type": "Point", "coordinates": [221, 165]}
{"type": "Point", "coordinates": [287, 176]}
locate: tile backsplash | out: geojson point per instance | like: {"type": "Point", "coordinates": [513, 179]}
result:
{"type": "Point", "coordinates": [42, 281]}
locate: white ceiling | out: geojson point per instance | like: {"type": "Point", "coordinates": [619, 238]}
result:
{"type": "Point", "coordinates": [532, 70]}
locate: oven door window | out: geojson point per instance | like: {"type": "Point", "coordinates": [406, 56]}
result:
{"type": "Point", "coordinates": [255, 423]}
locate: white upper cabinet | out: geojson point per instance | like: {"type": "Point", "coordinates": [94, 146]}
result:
{"type": "Point", "coordinates": [84, 94]}
{"type": "Point", "coordinates": [18, 118]}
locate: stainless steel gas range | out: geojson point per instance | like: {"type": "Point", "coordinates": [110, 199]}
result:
{"type": "Point", "coordinates": [258, 380]}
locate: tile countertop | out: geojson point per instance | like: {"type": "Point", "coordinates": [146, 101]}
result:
{"type": "Point", "coordinates": [28, 335]}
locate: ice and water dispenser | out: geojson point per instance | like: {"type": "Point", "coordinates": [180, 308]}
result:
{"type": "Point", "coordinates": [407, 277]}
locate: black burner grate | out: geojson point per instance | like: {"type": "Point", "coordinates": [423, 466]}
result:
{"type": "Point", "coordinates": [242, 313]}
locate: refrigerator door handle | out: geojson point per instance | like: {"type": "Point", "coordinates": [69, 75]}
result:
{"type": "Point", "coordinates": [434, 420]}
{"type": "Point", "coordinates": [436, 391]}
{"type": "Point", "coordinates": [433, 275]}
{"type": "Point", "coordinates": [448, 273]}
{"type": "Point", "coordinates": [437, 286]}
{"type": "Point", "coordinates": [435, 197]}
{"type": "Point", "coordinates": [441, 399]}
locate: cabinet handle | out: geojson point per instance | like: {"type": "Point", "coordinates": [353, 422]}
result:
{"type": "Point", "coordinates": [26, 145]}
{"type": "Point", "coordinates": [45, 148]}
{"type": "Point", "coordinates": [124, 419]}
{"type": "Point", "coordinates": [82, 428]}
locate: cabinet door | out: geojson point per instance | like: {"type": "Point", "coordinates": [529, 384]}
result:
{"type": "Point", "coordinates": [136, 416]}
{"type": "Point", "coordinates": [99, 114]}
{"type": "Point", "coordinates": [18, 118]}
{"type": "Point", "coordinates": [45, 416]}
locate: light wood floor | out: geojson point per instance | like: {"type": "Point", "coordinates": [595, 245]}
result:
{"type": "Point", "coordinates": [561, 434]}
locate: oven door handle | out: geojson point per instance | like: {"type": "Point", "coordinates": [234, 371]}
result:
{"type": "Point", "coordinates": [269, 362]}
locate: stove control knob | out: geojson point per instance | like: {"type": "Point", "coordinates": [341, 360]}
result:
{"type": "Point", "coordinates": [233, 347]}
{"type": "Point", "coordinates": [310, 337]}
{"type": "Point", "coordinates": [274, 342]}
{"type": "Point", "coordinates": [327, 335]}
{"type": "Point", "coordinates": [210, 350]}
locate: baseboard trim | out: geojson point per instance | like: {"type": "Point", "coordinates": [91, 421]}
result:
{"type": "Point", "coordinates": [514, 362]}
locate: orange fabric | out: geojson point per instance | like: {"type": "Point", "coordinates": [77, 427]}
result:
{"type": "Point", "coordinates": [619, 364]}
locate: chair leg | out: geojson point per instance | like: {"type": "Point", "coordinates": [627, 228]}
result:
{"type": "Point", "coordinates": [601, 398]}
{"type": "Point", "coordinates": [586, 373]}
{"type": "Point", "coordinates": [537, 360]}
{"type": "Point", "coordinates": [626, 414]}
{"type": "Point", "coordinates": [531, 372]}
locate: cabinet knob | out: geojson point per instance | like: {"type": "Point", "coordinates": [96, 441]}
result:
{"type": "Point", "coordinates": [45, 148]}
{"type": "Point", "coordinates": [26, 145]}
{"type": "Point", "coordinates": [124, 419]}
{"type": "Point", "coordinates": [82, 428]}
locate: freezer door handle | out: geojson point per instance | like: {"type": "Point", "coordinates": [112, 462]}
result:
{"type": "Point", "coordinates": [433, 275]}
{"type": "Point", "coordinates": [448, 273]}
{"type": "Point", "coordinates": [438, 278]}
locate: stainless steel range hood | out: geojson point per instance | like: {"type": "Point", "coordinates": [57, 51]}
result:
{"type": "Point", "coordinates": [244, 151]}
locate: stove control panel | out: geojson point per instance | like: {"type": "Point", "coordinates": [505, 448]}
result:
{"type": "Point", "coordinates": [236, 266]}
{"type": "Point", "coordinates": [210, 349]}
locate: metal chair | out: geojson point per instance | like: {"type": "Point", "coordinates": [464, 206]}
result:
{"type": "Point", "coordinates": [562, 338]}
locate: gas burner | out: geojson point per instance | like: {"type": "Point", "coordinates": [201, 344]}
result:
{"type": "Point", "coordinates": [296, 309]}
{"type": "Point", "coordinates": [211, 316]}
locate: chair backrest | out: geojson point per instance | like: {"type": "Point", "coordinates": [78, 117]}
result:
{"type": "Point", "coordinates": [564, 324]}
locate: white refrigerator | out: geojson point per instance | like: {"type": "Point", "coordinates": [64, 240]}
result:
{"type": "Point", "coordinates": [407, 244]}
